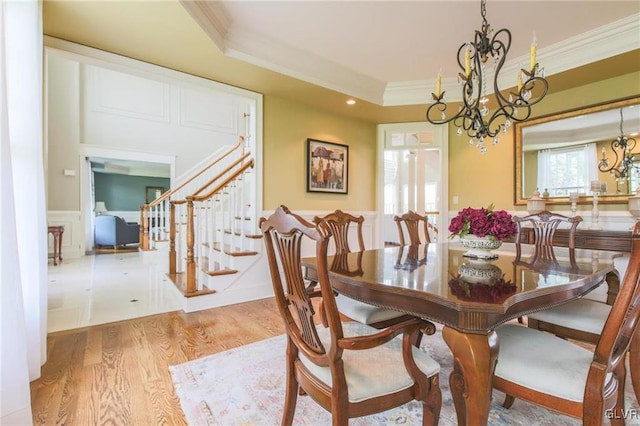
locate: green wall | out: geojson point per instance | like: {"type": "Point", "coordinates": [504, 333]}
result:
{"type": "Point", "coordinates": [124, 192]}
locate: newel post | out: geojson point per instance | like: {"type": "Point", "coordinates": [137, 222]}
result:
{"type": "Point", "coordinates": [172, 238]}
{"type": "Point", "coordinates": [144, 227]}
{"type": "Point", "coordinates": [191, 264]}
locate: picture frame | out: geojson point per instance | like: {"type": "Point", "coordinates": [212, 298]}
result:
{"type": "Point", "coordinates": [152, 192]}
{"type": "Point", "coordinates": [327, 167]}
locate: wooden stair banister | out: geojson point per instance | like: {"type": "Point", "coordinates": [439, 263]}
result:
{"type": "Point", "coordinates": [144, 209]}
{"type": "Point", "coordinates": [224, 183]}
{"type": "Point", "coordinates": [222, 173]}
{"type": "Point", "coordinates": [187, 282]}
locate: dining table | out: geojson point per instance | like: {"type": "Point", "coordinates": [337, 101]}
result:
{"type": "Point", "coordinates": [469, 297]}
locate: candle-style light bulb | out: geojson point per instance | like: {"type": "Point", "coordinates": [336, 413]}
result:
{"type": "Point", "coordinates": [467, 62]}
{"type": "Point", "coordinates": [519, 81]}
{"type": "Point", "coordinates": [534, 45]}
{"type": "Point", "coordinates": [439, 84]}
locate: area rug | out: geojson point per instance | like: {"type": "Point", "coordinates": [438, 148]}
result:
{"type": "Point", "coordinates": [245, 386]}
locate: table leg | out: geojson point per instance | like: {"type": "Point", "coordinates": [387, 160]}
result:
{"type": "Point", "coordinates": [56, 237]}
{"type": "Point", "coordinates": [60, 247]}
{"type": "Point", "coordinates": [474, 362]}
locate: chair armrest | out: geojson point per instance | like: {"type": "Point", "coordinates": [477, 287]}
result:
{"type": "Point", "coordinates": [371, 341]}
{"type": "Point", "coordinates": [613, 283]}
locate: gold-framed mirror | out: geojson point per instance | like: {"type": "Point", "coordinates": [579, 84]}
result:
{"type": "Point", "coordinates": [559, 153]}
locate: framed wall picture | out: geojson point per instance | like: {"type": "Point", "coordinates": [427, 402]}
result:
{"type": "Point", "coordinates": [327, 167]}
{"type": "Point", "coordinates": [152, 192]}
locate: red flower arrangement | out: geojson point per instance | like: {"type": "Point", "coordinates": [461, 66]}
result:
{"type": "Point", "coordinates": [495, 292]}
{"type": "Point", "coordinates": [482, 222]}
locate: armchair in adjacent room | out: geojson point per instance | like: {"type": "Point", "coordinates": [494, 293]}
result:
{"type": "Point", "coordinates": [115, 231]}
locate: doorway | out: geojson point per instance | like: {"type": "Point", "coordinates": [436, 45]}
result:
{"type": "Point", "coordinates": [413, 158]}
{"type": "Point", "coordinates": [140, 168]}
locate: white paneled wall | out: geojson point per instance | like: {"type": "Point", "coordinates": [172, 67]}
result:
{"type": "Point", "coordinates": [125, 111]}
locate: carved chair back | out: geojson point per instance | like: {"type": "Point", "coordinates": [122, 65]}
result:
{"type": "Point", "coordinates": [339, 223]}
{"type": "Point", "coordinates": [623, 321]}
{"type": "Point", "coordinates": [544, 225]}
{"type": "Point", "coordinates": [416, 226]}
{"type": "Point", "coordinates": [283, 234]}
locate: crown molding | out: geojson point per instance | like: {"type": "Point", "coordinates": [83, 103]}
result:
{"type": "Point", "coordinates": [212, 18]}
{"type": "Point", "coordinates": [600, 43]}
{"type": "Point", "coordinates": [264, 52]}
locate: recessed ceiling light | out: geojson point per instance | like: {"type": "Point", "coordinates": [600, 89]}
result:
{"type": "Point", "coordinates": [351, 102]}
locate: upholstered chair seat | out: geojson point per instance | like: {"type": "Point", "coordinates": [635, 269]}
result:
{"type": "Point", "coordinates": [582, 314]}
{"type": "Point", "coordinates": [364, 312]}
{"type": "Point", "coordinates": [372, 373]}
{"type": "Point", "coordinates": [543, 362]}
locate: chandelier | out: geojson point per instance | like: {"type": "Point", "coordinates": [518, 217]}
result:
{"type": "Point", "coordinates": [622, 147]}
{"type": "Point", "coordinates": [473, 115]}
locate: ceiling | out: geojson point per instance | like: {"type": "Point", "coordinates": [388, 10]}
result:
{"type": "Point", "coordinates": [128, 167]}
{"type": "Point", "coordinates": [389, 52]}
{"type": "Point", "coordinates": [384, 54]}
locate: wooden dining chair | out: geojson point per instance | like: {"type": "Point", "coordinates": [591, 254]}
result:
{"type": "Point", "coordinates": [547, 370]}
{"type": "Point", "coordinates": [583, 320]}
{"type": "Point", "coordinates": [416, 227]}
{"type": "Point", "coordinates": [350, 369]}
{"type": "Point", "coordinates": [544, 225]}
{"type": "Point", "coordinates": [340, 224]}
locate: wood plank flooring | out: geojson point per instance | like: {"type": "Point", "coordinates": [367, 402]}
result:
{"type": "Point", "coordinates": [118, 373]}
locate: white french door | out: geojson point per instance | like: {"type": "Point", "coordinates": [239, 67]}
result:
{"type": "Point", "coordinates": [413, 161]}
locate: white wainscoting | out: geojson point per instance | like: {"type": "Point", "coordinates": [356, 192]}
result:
{"type": "Point", "coordinates": [73, 236]}
{"type": "Point", "coordinates": [369, 228]}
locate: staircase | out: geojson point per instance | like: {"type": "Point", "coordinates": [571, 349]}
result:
{"type": "Point", "coordinates": [208, 226]}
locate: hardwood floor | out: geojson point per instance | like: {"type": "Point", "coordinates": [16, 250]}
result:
{"type": "Point", "coordinates": [118, 373]}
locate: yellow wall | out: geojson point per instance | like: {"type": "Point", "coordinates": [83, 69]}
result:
{"type": "Point", "coordinates": [287, 125]}
{"type": "Point", "coordinates": [473, 176]}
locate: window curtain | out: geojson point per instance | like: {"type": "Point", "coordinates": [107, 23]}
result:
{"type": "Point", "coordinates": [544, 169]}
{"type": "Point", "coordinates": [23, 227]}
{"type": "Point", "coordinates": [587, 154]}
{"type": "Point", "coordinates": [591, 157]}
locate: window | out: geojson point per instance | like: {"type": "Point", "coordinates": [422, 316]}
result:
{"type": "Point", "coordinates": [561, 170]}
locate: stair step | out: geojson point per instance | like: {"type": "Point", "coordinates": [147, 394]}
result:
{"type": "Point", "coordinates": [233, 251]}
{"type": "Point", "coordinates": [246, 234]}
{"type": "Point", "coordinates": [217, 268]}
{"type": "Point", "coordinates": [180, 281]}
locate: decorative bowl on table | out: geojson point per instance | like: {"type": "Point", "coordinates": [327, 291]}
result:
{"type": "Point", "coordinates": [480, 247]}
{"type": "Point", "coordinates": [484, 273]}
